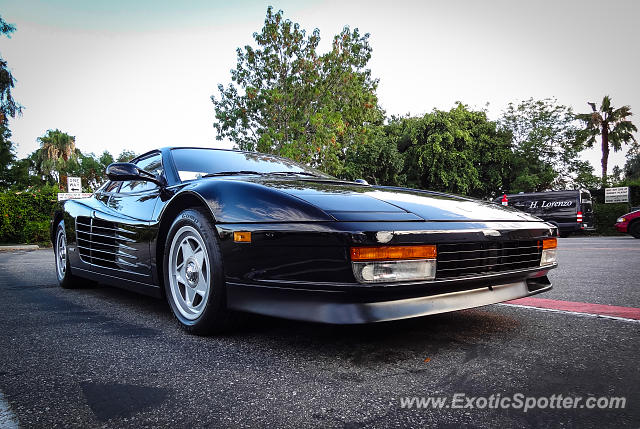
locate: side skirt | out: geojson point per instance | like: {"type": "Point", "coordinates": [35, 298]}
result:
{"type": "Point", "coordinates": [138, 287]}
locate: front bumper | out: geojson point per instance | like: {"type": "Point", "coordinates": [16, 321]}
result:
{"type": "Point", "coordinates": [336, 307]}
{"type": "Point", "coordinates": [622, 227]}
{"type": "Point", "coordinates": [569, 227]}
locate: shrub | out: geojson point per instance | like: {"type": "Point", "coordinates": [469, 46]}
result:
{"type": "Point", "coordinates": [25, 216]}
{"type": "Point", "coordinates": [606, 215]}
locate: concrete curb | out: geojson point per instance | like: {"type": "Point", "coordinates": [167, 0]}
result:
{"type": "Point", "coordinates": [14, 247]}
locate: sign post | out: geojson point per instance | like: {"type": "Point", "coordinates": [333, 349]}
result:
{"type": "Point", "coordinates": [616, 195]}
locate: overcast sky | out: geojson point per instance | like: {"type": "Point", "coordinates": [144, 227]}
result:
{"type": "Point", "coordinates": [139, 74]}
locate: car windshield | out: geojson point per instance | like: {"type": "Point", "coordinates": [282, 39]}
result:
{"type": "Point", "coordinates": [193, 163]}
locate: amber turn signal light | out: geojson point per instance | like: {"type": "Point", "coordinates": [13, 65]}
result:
{"type": "Point", "coordinates": [388, 253]}
{"type": "Point", "coordinates": [549, 243]}
{"type": "Point", "coordinates": [242, 237]}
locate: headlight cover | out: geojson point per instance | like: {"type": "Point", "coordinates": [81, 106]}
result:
{"type": "Point", "coordinates": [620, 220]}
{"type": "Point", "coordinates": [394, 271]}
{"type": "Point", "coordinates": [549, 251]}
{"type": "Point", "coordinates": [549, 257]}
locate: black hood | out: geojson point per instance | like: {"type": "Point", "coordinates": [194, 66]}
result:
{"type": "Point", "coordinates": [348, 201]}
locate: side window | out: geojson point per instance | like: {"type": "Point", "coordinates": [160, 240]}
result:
{"type": "Point", "coordinates": [152, 164]}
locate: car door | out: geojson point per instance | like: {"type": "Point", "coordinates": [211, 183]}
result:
{"type": "Point", "coordinates": [126, 224]}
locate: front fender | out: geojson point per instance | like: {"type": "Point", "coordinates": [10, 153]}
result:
{"type": "Point", "coordinates": [232, 201]}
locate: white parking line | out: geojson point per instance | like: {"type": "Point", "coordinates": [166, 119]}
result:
{"type": "Point", "coordinates": [8, 420]}
{"type": "Point", "coordinates": [575, 313]}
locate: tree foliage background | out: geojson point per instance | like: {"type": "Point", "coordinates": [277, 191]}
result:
{"type": "Point", "coordinates": [288, 99]}
{"type": "Point", "coordinates": [321, 109]}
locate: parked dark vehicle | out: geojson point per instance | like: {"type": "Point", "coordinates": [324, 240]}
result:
{"type": "Point", "coordinates": [217, 230]}
{"type": "Point", "coordinates": [570, 211]}
{"type": "Point", "coordinates": [629, 223]}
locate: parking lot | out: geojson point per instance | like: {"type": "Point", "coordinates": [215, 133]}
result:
{"type": "Point", "coordinates": [100, 356]}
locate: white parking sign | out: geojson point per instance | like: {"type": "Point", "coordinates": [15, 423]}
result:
{"type": "Point", "coordinates": [616, 195]}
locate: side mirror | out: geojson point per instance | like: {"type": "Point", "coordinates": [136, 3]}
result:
{"type": "Point", "coordinates": [121, 171]}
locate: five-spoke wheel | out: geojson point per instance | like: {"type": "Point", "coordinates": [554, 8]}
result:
{"type": "Point", "coordinates": [61, 254]}
{"type": "Point", "coordinates": [189, 276]}
{"type": "Point", "coordinates": [193, 273]}
{"type": "Point", "coordinates": [63, 271]}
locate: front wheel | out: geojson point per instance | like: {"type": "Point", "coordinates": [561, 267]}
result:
{"type": "Point", "coordinates": [193, 274]}
{"type": "Point", "coordinates": [63, 269]}
{"type": "Point", "coordinates": [634, 229]}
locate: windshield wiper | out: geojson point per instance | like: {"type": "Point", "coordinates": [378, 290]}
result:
{"type": "Point", "coordinates": [233, 173]}
{"type": "Point", "coordinates": [290, 173]}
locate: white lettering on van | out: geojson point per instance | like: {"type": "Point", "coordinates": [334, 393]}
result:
{"type": "Point", "coordinates": [567, 203]}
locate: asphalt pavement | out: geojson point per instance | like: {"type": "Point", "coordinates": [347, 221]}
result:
{"type": "Point", "coordinates": [104, 357]}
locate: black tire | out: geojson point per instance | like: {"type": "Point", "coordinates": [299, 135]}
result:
{"type": "Point", "coordinates": [201, 276]}
{"type": "Point", "coordinates": [63, 268]}
{"type": "Point", "coordinates": [565, 234]}
{"type": "Point", "coordinates": [634, 229]}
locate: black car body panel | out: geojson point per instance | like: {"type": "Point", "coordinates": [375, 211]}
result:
{"type": "Point", "coordinates": [298, 263]}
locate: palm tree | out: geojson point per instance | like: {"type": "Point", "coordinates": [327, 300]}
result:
{"type": "Point", "coordinates": [612, 124]}
{"type": "Point", "coordinates": [56, 149]}
{"type": "Point", "coordinates": [57, 144]}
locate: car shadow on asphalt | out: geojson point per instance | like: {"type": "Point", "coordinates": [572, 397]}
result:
{"type": "Point", "coordinates": [364, 344]}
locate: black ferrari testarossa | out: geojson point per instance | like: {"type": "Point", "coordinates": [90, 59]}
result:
{"type": "Point", "coordinates": [219, 230]}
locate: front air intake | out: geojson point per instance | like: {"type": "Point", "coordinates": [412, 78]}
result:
{"type": "Point", "coordinates": [458, 260]}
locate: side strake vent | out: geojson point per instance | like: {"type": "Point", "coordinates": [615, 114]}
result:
{"type": "Point", "coordinates": [103, 243]}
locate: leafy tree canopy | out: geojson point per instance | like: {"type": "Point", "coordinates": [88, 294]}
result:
{"type": "Point", "coordinates": [458, 151]}
{"type": "Point", "coordinates": [378, 161]}
{"type": "Point", "coordinates": [7, 156]}
{"type": "Point", "coordinates": [125, 156]}
{"type": "Point", "coordinates": [544, 143]}
{"type": "Point", "coordinates": [286, 98]}
{"type": "Point", "coordinates": [8, 106]}
{"type": "Point", "coordinates": [632, 166]}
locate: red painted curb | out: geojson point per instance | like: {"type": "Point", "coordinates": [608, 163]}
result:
{"type": "Point", "coordinates": [580, 307]}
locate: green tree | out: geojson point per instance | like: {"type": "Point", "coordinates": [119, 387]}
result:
{"type": "Point", "coordinates": [378, 161]}
{"type": "Point", "coordinates": [105, 159]}
{"type": "Point", "coordinates": [459, 151]}
{"type": "Point", "coordinates": [57, 150]}
{"type": "Point", "coordinates": [286, 98]}
{"type": "Point", "coordinates": [7, 157]}
{"type": "Point", "coordinates": [125, 156]}
{"type": "Point", "coordinates": [90, 169]}
{"type": "Point", "coordinates": [546, 152]}
{"type": "Point", "coordinates": [23, 174]}
{"type": "Point", "coordinates": [632, 165]}
{"type": "Point", "coordinates": [585, 176]}
{"type": "Point", "coordinates": [8, 106]}
{"type": "Point", "coordinates": [611, 124]}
